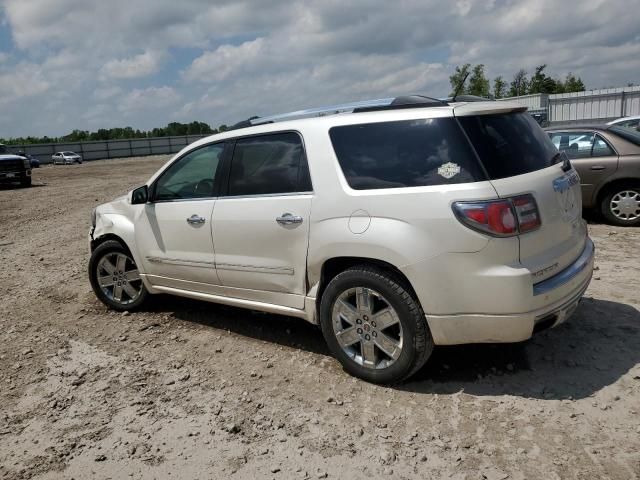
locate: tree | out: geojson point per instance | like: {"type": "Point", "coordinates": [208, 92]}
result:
{"type": "Point", "coordinates": [519, 84]}
{"type": "Point", "coordinates": [457, 78]}
{"type": "Point", "coordinates": [573, 84]}
{"type": "Point", "coordinates": [478, 83]}
{"type": "Point", "coordinates": [540, 82]}
{"type": "Point", "coordinates": [499, 87]}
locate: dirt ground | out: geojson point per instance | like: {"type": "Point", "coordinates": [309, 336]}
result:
{"type": "Point", "coordinates": [187, 389]}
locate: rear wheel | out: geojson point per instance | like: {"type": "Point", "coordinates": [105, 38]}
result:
{"type": "Point", "coordinates": [114, 277]}
{"type": "Point", "coordinates": [374, 326]}
{"type": "Point", "coordinates": [621, 205]}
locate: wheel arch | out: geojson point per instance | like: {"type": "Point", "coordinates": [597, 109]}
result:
{"type": "Point", "coordinates": [608, 187]}
{"type": "Point", "coordinates": [96, 242]}
{"type": "Point", "coordinates": [335, 265]}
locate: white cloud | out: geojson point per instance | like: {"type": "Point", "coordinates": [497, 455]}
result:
{"type": "Point", "coordinates": [148, 62]}
{"type": "Point", "coordinates": [106, 92]}
{"type": "Point", "coordinates": [24, 80]}
{"type": "Point", "coordinates": [227, 60]}
{"type": "Point", "coordinates": [151, 98]}
{"type": "Point", "coordinates": [133, 67]}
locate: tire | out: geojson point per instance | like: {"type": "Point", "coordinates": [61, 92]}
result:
{"type": "Point", "coordinates": [626, 197]}
{"type": "Point", "coordinates": [112, 281]}
{"type": "Point", "coordinates": [410, 331]}
{"type": "Point", "coordinates": [25, 182]}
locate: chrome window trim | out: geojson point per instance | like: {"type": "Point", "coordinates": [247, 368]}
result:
{"type": "Point", "coordinates": [568, 273]}
{"type": "Point", "coordinates": [198, 199]}
{"type": "Point", "coordinates": [264, 195]}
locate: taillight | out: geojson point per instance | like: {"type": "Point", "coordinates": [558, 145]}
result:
{"type": "Point", "coordinates": [527, 212]}
{"type": "Point", "coordinates": [500, 218]}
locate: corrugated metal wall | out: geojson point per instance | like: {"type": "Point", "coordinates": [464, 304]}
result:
{"type": "Point", "coordinates": [537, 101]}
{"type": "Point", "coordinates": [591, 106]}
{"type": "Point", "coordinates": [110, 148]}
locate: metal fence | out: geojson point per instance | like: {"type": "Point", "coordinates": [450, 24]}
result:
{"type": "Point", "coordinates": [591, 106]}
{"type": "Point", "coordinates": [135, 147]}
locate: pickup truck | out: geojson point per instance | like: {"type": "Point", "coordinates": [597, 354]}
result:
{"type": "Point", "coordinates": [14, 168]}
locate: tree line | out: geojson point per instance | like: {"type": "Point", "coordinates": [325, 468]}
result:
{"type": "Point", "coordinates": [172, 129]}
{"type": "Point", "coordinates": [478, 84]}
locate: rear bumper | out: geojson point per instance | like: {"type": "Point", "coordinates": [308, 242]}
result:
{"type": "Point", "coordinates": [556, 299]}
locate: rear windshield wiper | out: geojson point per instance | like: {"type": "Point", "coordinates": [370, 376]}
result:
{"type": "Point", "coordinates": [561, 156]}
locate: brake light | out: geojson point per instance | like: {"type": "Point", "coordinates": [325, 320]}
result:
{"type": "Point", "coordinates": [500, 218]}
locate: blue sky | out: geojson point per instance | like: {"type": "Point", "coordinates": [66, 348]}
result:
{"type": "Point", "coordinates": [89, 64]}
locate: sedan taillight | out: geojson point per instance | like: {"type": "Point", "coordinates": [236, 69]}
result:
{"type": "Point", "coordinates": [500, 218]}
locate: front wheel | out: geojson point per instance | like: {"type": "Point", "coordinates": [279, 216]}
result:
{"type": "Point", "coordinates": [374, 326]}
{"type": "Point", "coordinates": [114, 277]}
{"type": "Point", "coordinates": [25, 182]}
{"type": "Point", "coordinates": [621, 206]}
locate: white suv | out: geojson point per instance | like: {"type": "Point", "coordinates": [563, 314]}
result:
{"type": "Point", "coordinates": [395, 226]}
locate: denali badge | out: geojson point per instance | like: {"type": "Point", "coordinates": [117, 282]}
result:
{"type": "Point", "coordinates": [449, 170]}
{"type": "Point", "coordinates": [544, 271]}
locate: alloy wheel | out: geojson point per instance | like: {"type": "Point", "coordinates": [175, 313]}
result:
{"type": "Point", "coordinates": [118, 278]}
{"type": "Point", "coordinates": [367, 328]}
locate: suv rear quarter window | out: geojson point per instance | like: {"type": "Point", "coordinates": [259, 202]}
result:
{"type": "Point", "coordinates": [509, 144]}
{"type": "Point", "coordinates": [408, 153]}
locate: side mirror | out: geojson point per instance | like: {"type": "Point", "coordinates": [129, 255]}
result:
{"type": "Point", "coordinates": [140, 195]}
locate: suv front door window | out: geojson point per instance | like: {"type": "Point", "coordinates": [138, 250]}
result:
{"type": "Point", "coordinates": [174, 229]}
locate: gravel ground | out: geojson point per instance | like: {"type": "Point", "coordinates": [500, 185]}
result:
{"type": "Point", "coordinates": [187, 389]}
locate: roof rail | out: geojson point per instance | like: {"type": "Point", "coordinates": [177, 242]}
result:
{"type": "Point", "coordinates": [469, 98]}
{"type": "Point", "coordinates": [410, 101]}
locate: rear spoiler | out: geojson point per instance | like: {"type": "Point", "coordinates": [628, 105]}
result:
{"type": "Point", "coordinates": [486, 108]}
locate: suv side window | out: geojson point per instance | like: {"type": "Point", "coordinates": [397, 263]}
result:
{"type": "Point", "coordinates": [269, 164]}
{"type": "Point", "coordinates": [408, 153]}
{"type": "Point", "coordinates": [192, 176]}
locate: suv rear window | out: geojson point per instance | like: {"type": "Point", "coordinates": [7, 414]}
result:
{"type": "Point", "coordinates": [408, 153]}
{"type": "Point", "coordinates": [509, 144]}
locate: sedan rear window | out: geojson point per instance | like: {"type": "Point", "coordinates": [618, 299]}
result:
{"type": "Point", "coordinates": [509, 144]}
{"type": "Point", "coordinates": [626, 133]}
{"type": "Point", "coordinates": [409, 153]}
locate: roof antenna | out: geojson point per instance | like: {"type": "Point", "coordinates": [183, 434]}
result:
{"type": "Point", "coordinates": [460, 86]}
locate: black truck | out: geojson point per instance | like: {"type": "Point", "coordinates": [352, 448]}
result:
{"type": "Point", "coordinates": [14, 168]}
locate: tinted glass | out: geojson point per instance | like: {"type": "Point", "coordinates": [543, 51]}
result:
{"type": "Point", "coordinates": [409, 153]}
{"type": "Point", "coordinates": [269, 164]}
{"type": "Point", "coordinates": [509, 144]}
{"type": "Point", "coordinates": [190, 177]}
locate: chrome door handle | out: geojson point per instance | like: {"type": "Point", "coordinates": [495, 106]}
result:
{"type": "Point", "coordinates": [288, 219]}
{"type": "Point", "coordinates": [598, 167]}
{"type": "Point", "coordinates": [195, 220]}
